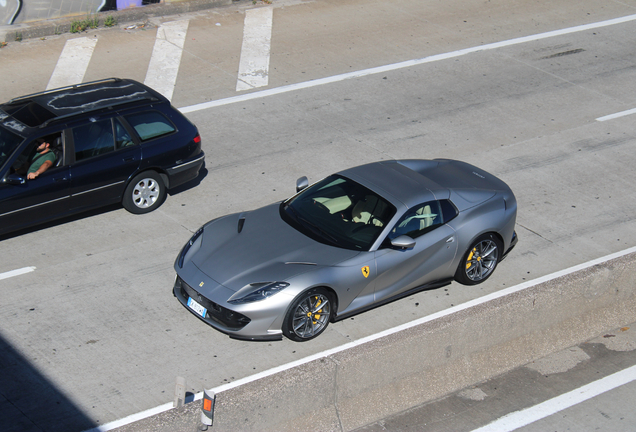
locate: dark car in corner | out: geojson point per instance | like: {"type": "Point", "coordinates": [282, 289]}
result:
{"type": "Point", "coordinates": [113, 141]}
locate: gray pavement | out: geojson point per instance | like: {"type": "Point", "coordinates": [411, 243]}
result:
{"type": "Point", "coordinates": [96, 320]}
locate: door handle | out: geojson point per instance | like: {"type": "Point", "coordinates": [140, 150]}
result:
{"type": "Point", "coordinates": [450, 240]}
{"type": "Point", "coordinates": [59, 179]}
{"type": "Point", "coordinates": [129, 159]}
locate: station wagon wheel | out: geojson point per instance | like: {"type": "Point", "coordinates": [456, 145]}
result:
{"type": "Point", "coordinates": [480, 260]}
{"type": "Point", "coordinates": [309, 315]}
{"type": "Point", "coordinates": [144, 193]}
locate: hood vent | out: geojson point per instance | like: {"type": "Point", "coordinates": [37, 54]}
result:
{"type": "Point", "coordinates": [241, 222]}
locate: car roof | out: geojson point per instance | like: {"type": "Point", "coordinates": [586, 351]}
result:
{"type": "Point", "coordinates": [40, 109]}
{"type": "Point", "coordinates": [414, 181]}
{"type": "Point", "coordinates": [396, 182]}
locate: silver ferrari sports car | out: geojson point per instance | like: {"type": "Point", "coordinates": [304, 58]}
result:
{"type": "Point", "coordinates": [350, 242]}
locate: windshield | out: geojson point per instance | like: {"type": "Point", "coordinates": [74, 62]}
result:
{"type": "Point", "coordinates": [8, 143]}
{"type": "Point", "coordinates": [339, 212]}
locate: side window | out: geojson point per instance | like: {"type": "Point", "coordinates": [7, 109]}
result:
{"type": "Point", "coordinates": [8, 143]}
{"type": "Point", "coordinates": [47, 148]}
{"type": "Point", "coordinates": [418, 220]}
{"type": "Point", "coordinates": [151, 124]}
{"type": "Point", "coordinates": [122, 137]}
{"type": "Point", "coordinates": [93, 139]}
{"type": "Point", "coordinates": [448, 210]}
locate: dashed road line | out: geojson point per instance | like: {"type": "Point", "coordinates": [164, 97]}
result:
{"type": "Point", "coordinates": [530, 415]}
{"type": "Point", "coordinates": [166, 57]}
{"type": "Point", "coordinates": [617, 115]}
{"type": "Point", "coordinates": [257, 36]}
{"type": "Point", "coordinates": [18, 272]}
{"type": "Point", "coordinates": [72, 63]}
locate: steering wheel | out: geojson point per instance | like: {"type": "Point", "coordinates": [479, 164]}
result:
{"type": "Point", "coordinates": [321, 206]}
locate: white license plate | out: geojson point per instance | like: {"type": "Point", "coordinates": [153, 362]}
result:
{"type": "Point", "coordinates": [199, 309]}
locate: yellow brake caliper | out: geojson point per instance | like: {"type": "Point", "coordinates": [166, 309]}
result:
{"type": "Point", "coordinates": [317, 315]}
{"type": "Point", "coordinates": [470, 257]}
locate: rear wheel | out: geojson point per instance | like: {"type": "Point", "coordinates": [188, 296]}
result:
{"type": "Point", "coordinates": [309, 315]}
{"type": "Point", "coordinates": [480, 260]}
{"type": "Point", "coordinates": [145, 193]}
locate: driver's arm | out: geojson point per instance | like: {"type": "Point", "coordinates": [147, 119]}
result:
{"type": "Point", "coordinates": [46, 165]}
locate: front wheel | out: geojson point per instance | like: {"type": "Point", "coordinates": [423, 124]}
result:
{"type": "Point", "coordinates": [309, 315]}
{"type": "Point", "coordinates": [145, 193]}
{"type": "Point", "coordinates": [480, 260]}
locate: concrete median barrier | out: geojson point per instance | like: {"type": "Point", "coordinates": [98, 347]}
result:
{"type": "Point", "coordinates": [349, 388]}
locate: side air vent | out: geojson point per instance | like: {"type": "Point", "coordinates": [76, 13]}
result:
{"type": "Point", "coordinates": [241, 222]}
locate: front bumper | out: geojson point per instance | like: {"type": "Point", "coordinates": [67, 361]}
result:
{"type": "Point", "coordinates": [513, 243]}
{"type": "Point", "coordinates": [227, 321]}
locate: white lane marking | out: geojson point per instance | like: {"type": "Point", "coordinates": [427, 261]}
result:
{"type": "Point", "coordinates": [617, 115]}
{"type": "Point", "coordinates": [502, 293]}
{"type": "Point", "coordinates": [18, 272]}
{"type": "Point", "coordinates": [133, 418]}
{"type": "Point", "coordinates": [257, 36]}
{"type": "Point", "coordinates": [166, 57]}
{"type": "Point", "coordinates": [404, 64]}
{"type": "Point", "coordinates": [72, 63]}
{"type": "Point", "coordinates": [524, 417]}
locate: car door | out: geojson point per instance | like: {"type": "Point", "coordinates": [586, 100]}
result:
{"type": "Point", "coordinates": [429, 260]}
{"type": "Point", "coordinates": [28, 202]}
{"type": "Point", "coordinates": [105, 157]}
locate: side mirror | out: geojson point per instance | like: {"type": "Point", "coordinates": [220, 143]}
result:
{"type": "Point", "coordinates": [301, 183]}
{"type": "Point", "coordinates": [14, 179]}
{"type": "Point", "coordinates": [403, 242]}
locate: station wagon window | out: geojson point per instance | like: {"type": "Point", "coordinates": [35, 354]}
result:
{"type": "Point", "coordinates": [418, 220]}
{"type": "Point", "coordinates": [122, 137]}
{"type": "Point", "coordinates": [151, 124]}
{"type": "Point", "coordinates": [28, 112]}
{"type": "Point", "coordinates": [23, 162]}
{"type": "Point", "coordinates": [93, 139]}
{"type": "Point", "coordinates": [8, 143]}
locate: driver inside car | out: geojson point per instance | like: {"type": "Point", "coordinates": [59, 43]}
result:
{"type": "Point", "coordinates": [43, 159]}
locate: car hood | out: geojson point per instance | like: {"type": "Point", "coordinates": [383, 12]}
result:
{"type": "Point", "coordinates": [266, 250]}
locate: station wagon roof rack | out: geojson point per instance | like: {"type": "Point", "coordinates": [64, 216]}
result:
{"type": "Point", "coordinates": [44, 108]}
{"type": "Point", "coordinates": [74, 86]}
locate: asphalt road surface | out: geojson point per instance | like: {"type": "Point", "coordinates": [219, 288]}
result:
{"type": "Point", "coordinates": [94, 327]}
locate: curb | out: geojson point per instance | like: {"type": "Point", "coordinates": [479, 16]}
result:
{"type": "Point", "coordinates": [50, 27]}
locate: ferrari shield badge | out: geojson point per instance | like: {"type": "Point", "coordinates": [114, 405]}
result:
{"type": "Point", "coordinates": [365, 271]}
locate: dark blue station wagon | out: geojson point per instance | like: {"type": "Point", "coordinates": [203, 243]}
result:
{"type": "Point", "coordinates": [112, 141]}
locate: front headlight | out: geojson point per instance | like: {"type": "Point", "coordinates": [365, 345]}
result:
{"type": "Point", "coordinates": [257, 291]}
{"type": "Point", "coordinates": [188, 246]}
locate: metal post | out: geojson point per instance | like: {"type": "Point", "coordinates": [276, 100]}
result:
{"type": "Point", "coordinates": [207, 409]}
{"type": "Point", "coordinates": [179, 393]}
